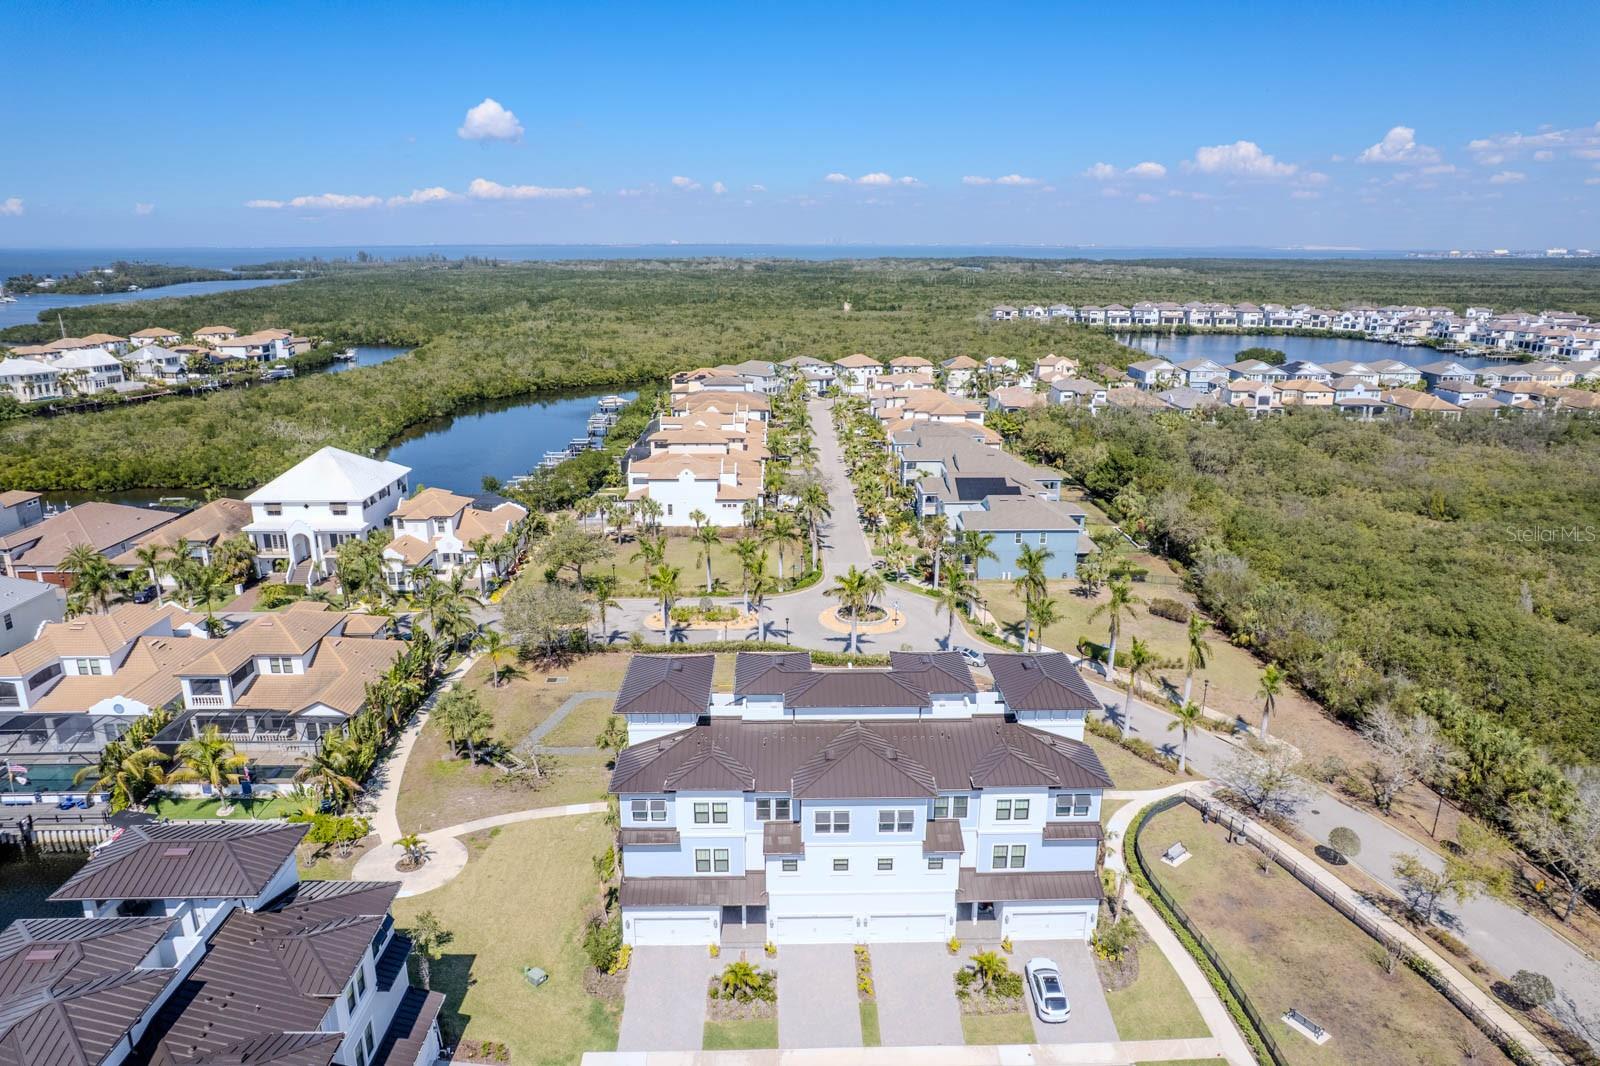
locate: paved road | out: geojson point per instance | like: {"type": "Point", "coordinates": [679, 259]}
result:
{"type": "Point", "coordinates": [1506, 937]}
{"type": "Point", "coordinates": [817, 996]}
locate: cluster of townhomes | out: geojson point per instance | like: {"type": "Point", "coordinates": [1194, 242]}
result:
{"type": "Point", "coordinates": [1556, 334]}
{"type": "Point", "coordinates": [816, 805]}
{"type": "Point", "coordinates": [152, 356]}
{"type": "Point", "coordinates": [198, 943]}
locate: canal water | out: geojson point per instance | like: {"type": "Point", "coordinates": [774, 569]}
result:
{"type": "Point", "coordinates": [28, 308]}
{"type": "Point", "coordinates": [1224, 348]}
{"type": "Point", "coordinates": [366, 355]}
{"type": "Point", "coordinates": [28, 877]}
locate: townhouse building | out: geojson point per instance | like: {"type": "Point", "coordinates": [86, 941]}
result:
{"type": "Point", "coordinates": [439, 532]}
{"type": "Point", "coordinates": [28, 380]}
{"type": "Point", "coordinates": [858, 373]}
{"type": "Point", "coordinates": [1078, 392]}
{"type": "Point", "coordinates": [299, 518]}
{"type": "Point", "coordinates": [1014, 522]}
{"type": "Point", "coordinates": [857, 806]}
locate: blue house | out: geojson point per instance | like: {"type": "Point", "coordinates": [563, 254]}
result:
{"type": "Point", "coordinates": [1015, 521]}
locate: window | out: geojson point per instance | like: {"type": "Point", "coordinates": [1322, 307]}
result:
{"type": "Point", "coordinates": [885, 865]}
{"type": "Point", "coordinates": [710, 860]}
{"type": "Point", "coordinates": [361, 983]}
{"type": "Point", "coordinates": [841, 866]}
{"type": "Point", "coordinates": [1044, 538]}
{"type": "Point", "coordinates": [702, 814]}
{"type": "Point", "coordinates": [832, 822]}
{"type": "Point", "coordinates": [1002, 810]}
{"type": "Point", "coordinates": [8, 695]}
{"type": "Point", "coordinates": [950, 807]}
{"type": "Point", "coordinates": [274, 509]}
{"type": "Point", "coordinates": [350, 999]}
{"type": "Point", "coordinates": [370, 1042]}
{"type": "Point", "coordinates": [936, 864]}
{"type": "Point", "coordinates": [1074, 804]}
{"type": "Point", "coordinates": [339, 508]}
{"type": "Point", "coordinates": [241, 675]}
{"type": "Point", "coordinates": [280, 664]}
{"type": "Point", "coordinates": [1017, 537]}
{"type": "Point", "coordinates": [89, 666]}
{"type": "Point", "coordinates": [8, 622]}
{"type": "Point", "coordinates": [1019, 810]}
{"type": "Point", "coordinates": [896, 821]}
{"type": "Point", "coordinates": [1014, 855]}
{"type": "Point", "coordinates": [719, 813]}
{"type": "Point", "coordinates": [649, 810]}
{"type": "Point", "coordinates": [768, 810]}
{"type": "Point", "coordinates": [791, 866]}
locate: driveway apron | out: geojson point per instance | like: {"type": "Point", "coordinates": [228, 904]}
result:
{"type": "Point", "coordinates": [1091, 1016]}
{"type": "Point", "coordinates": [664, 1006]}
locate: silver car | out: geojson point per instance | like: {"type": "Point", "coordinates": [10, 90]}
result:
{"type": "Point", "coordinates": [1049, 998]}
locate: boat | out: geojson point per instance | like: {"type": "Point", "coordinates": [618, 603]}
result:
{"type": "Point", "coordinates": [346, 356]}
{"type": "Point", "coordinates": [612, 403]}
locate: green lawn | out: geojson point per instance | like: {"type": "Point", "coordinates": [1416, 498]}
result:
{"type": "Point", "coordinates": [329, 867]}
{"type": "Point", "coordinates": [1156, 1006]}
{"type": "Point", "coordinates": [871, 1035]}
{"type": "Point", "coordinates": [1109, 808]}
{"type": "Point", "coordinates": [522, 900]}
{"type": "Point", "coordinates": [1287, 948]}
{"type": "Point", "coordinates": [743, 1035]}
{"type": "Point", "coordinates": [188, 807]}
{"type": "Point", "coordinates": [684, 553]}
{"type": "Point", "coordinates": [1128, 771]}
{"type": "Point", "coordinates": [1012, 1028]}
{"type": "Point", "coordinates": [582, 724]}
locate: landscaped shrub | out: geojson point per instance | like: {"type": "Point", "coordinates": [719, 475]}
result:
{"type": "Point", "coordinates": [1532, 989]}
{"type": "Point", "coordinates": [1171, 610]}
{"type": "Point", "coordinates": [954, 945]}
{"type": "Point", "coordinates": [1451, 943]}
{"type": "Point", "coordinates": [602, 941]}
{"type": "Point", "coordinates": [864, 986]}
{"type": "Point", "coordinates": [1344, 841]}
{"type": "Point", "coordinates": [1112, 940]}
{"type": "Point", "coordinates": [745, 982]}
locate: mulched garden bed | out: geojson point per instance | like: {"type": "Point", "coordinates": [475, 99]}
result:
{"type": "Point", "coordinates": [1115, 976]}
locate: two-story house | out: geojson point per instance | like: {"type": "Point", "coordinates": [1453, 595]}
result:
{"type": "Point", "coordinates": [299, 518]}
{"type": "Point", "coordinates": [441, 532]}
{"type": "Point", "coordinates": [28, 380]}
{"type": "Point", "coordinates": [858, 373]}
{"type": "Point", "coordinates": [1154, 374]}
{"type": "Point", "coordinates": [1014, 522]}
{"type": "Point", "coordinates": [1203, 374]}
{"type": "Point", "coordinates": [156, 363]}
{"type": "Point", "coordinates": [24, 607]}
{"type": "Point", "coordinates": [866, 805]}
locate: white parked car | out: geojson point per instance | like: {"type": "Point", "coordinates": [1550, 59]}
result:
{"type": "Point", "coordinates": [972, 657]}
{"type": "Point", "coordinates": [1049, 998]}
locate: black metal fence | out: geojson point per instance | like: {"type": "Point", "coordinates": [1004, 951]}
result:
{"type": "Point", "coordinates": [1256, 1020]}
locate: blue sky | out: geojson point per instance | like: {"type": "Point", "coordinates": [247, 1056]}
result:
{"type": "Point", "coordinates": [1392, 125]}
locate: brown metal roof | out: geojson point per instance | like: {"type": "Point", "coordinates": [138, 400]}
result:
{"type": "Point", "coordinates": [782, 839]}
{"type": "Point", "coordinates": [840, 759]}
{"type": "Point", "coordinates": [43, 951]}
{"type": "Point", "coordinates": [646, 837]}
{"type": "Point", "coordinates": [943, 837]}
{"type": "Point", "coordinates": [76, 1023]}
{"type": "Point", "coordinates": [278, 1049]}
{"type": "Point", "coordinates": [975, 887]}
{"type": "Point", "coordinates": [408, 1030]}
{"type": "Point", "coordinates": [185, 860]}
{"type": "Point", "coordinates": [748, 890]}
{"type": "Point", "coordinates": [666, 684]}
{"type": "Point", "coordinates": [908, 682]}
{"type": "Point", "coordinates": [1074, 831]}
{"type": "Point", "coordinates": [1040, 683]}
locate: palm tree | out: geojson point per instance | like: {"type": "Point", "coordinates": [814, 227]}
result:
{"type": "Point", "coordinates": [153, 557]}
{"type": "Point", "coordinates": [748, 550]}
{"type": "Point", "coordinates": [706, 537]}
{"type": "Point", "coordinates": [1046, 613]}
{"type": "Point", "coordinates": [1198, 655]}
{"type": "Point", "coordinates": [603, 589]}
{"type": "Point", "coordinates": [955, 594]}
{"type": "Point", "coordinates": [130, 780]}
{"type": "Point", "coordinates": [211, 584]}
{"type": "Point", "coordinates": [1186, 718]}
{"type": "Point", "coordinates": [652, 551]}
{"type": "Point", "coordinates": [210, 760]}
{"type": "Point", "coordinates": [332, 770]}
{"type": "Point", "coordinates": [814, 510]}
{"type": "Point", "coordinates": [856, 590]}
{"type": "Point", "coordinates": [480, 554]}
{"type": "Point", "coordinates": [427, 937]}
{"type": "Point", "coordinates": [1120, 604]}
{"type": "Point", "coordinates": [932, 538]}
{"type": "Point", "coordinates": [1141, 660]}
{"type": "Point", "coordinates": [500, 652]}
{"type": "Point", "coordinates": [94, 580]}
{"type": "Point", "coordinates": [414, 848]}
{"type": "Point", "coordinates": [466, 721]}
{"type": "Point", "coordinates": [648, 513]}
{"type": "Point", "coordinates": [975, 546]}
{"type": "Point", "coordinates": [663, 583]}
{"type": "Point", "coordinates": [781, 531]}
{"type": "Point", "coordinates": [1032, 584]}
{"type": "Point", "coordinates": [1272, 679]}
{"type": "Point", "coordinates": [614, 736]}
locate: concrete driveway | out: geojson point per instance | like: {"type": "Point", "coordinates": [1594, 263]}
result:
{"type": "Point", "coordinates": [1091, 1016]}
{"type": "Point", "coordinates": [817, 996]}
{"type": "Point", "coordinates": [916, 995]}
{"type": "Point", "coordinates": [664, 1005]}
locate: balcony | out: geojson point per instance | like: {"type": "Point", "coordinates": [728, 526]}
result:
{"type": "Point", "coordinates": [207, 701]}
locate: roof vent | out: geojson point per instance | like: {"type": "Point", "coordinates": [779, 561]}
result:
{"type": "Point", "coordinates": [42, 955]}
{"type": "Point", "coordinates": [176, 852]}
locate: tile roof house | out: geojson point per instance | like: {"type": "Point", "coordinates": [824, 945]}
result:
{"type": "Point", "coordinates": [864, 805]}
{"type": "Point", "coordinates": [202, 529]}
{"type": "Point", "coordinates": [442, 531]}
{"type": "Point", "coordinates": [38, 551]}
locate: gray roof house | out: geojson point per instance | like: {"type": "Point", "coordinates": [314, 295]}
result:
{"type": "Point", "coordinates": [1015, 522]}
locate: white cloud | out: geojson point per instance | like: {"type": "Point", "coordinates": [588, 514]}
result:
{"type": "Point", "coordinates": [334, 201]}
{"type": "Point", "coordinates": [144, 209]}
{"type": "Point", "coordinates": [1241, 158]}
{"type": "Point", "coordinates": [1147, 170]}
{"type": "Point", "coordinates": [270, 205]}
{"type": "Point", "coordinates": [718, 188]}
{"type": "Point", "coordinates": [483, 189]}
{"type": "Point", "coordinates": [1582, 141]}
{"type": "Point", "coordinates": [1313, 177]}
{"type": "Point", "coordinates": [688, 184]}
{"type": "Point", "coordinates": [838, 178]}
{"type": "Point", "coordinates": [974, 179]}
{"type": "Point", "coordinates": [1146, 198]}
{"type": "Point", "coordinates": [879, 178]}
{"type": "Point", "coordinates": [909, 180]}
{"type": "Point", "coordinates": [876, 178]}
{"type": "Point", "coordinates": [434, 195]}
{"type": "Point", "coordinates": [1101, 172]}
{"type": "Point", "coordinates": [1006, 179]}
{"type": "Point", "coordinates": [1400, 146]}
{"type": "Point", "coordinates": [758, 188]}
{"type": "Point", "coordinates": [1544, 155]}
{"type": "Point", "coordinates": [1591, 181]}
{"type": "Point", "coordinates": [1508, 177]}
{"type": "Point", "coordinates": [628, 193]}
{"type": "Point", "coordinates": [11, 205]}
{"type": "Point", "coordinates": [490, 122]}
{"type": "Point", "coordinates": [1110, 192]}
{"type": "Point", "coordinates": [1440, 168]}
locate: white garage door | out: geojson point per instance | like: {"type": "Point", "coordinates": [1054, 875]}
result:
{"type": "Point", "coordinates": [680, 930]}
{"type": "Point", "coordinates": [904, 928]}
{"type": "Point", "coordinates": [814, 929]}
{"type": "Point", "coordinates": [1047, 925]}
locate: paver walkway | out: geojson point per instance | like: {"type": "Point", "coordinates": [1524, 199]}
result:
{"type": "Point", "coordinates": [916, 995]}
{"type": "Point", "coordinates": [664, 1008]}
{"type": "Point", "coordinates": [817, 996]}
{"type": "Point", "coordinates": [535, 739]}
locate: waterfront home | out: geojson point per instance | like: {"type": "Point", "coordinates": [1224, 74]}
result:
{"type": "Point", "coordinates": [1460, 392]}
{"type": "Point", "coordinates": [1303, 392]}
{"type": "Point", "coordinates": [734, 407]}
{"type": "Point", "coordinates": [1203, 374]}
{"type": "Point", "coordinates": [37, 552]}
{"type": "Point", "coordinates": [1353, 387]}
{"type": "Point", "coordinates": [299, 518]}
{"type": "Point", "coordinates": [28, 380]}
{"type": "Point", "coordinates": [438, 532]}
{"type": "Point", "coordinates": [1154, 373]}
{"type": "Point", "coordinates": [155, 363]}
{"type": "Point", "coordinates": [716, 486]}
{"type": "Point", "coordinates": [1013, 398]}
{"type": "Point", "coordinates": [1534, 393]}
{"type": "Point", "coordinates": [899, 381]}
{"type": "Point", "coordinates": [19, 508]}
{"type": "Point", "coordinates": [1144, 314]}
{"type": "Point", "coordinates": [1078, 392]}
{"type": "Point", "coordinates": [1394, 372]}
{"type": "Point", "coordinates": [860, 372]}
{"type": "Point", "coordinates": [24, 607]}
{"type": "Point", "coordinates": [1483, 405]}
{"type": "Point", "coordinates": [1117, 315]}
{"type": "Point", "coordinates": [1446, 372]}
{"type": "Point", "coordinates": [813, 806]}
{"type": "Point", "coordinates": [1257, 397]}
{"type": "Point", "coordinates": [199, 943]}
{"type": "Point", "coordinates": [1409, 403]}
{"type": "Point", "coordinates": [1054, 526]}
{"type": "Point", "coordinates": [1062, 311]}
{"type": "Point", "coordinates": [1551, 373]}
{"type": "Point", "coordinates": [1092, 315]}
{"type": "Point", "coordinates": [1254, 370]}
{"type": "Point", "coordinates": [267, 346]}
{"type": "Point", "coordinates": [200, 531]}
{"type": "Point", "coordinates": [1364, 406]}
{"type": "Point", "coordinates": [1306, 370]}
{"type": "Point", "coordinates": [1035, 312]}
{"type": "Point", "coordinates": [215, 334]}
{"type": "Point", "coordinates": [89, 370]}
{"type": "Point", "coordinates": [1190, 400]}
{"type": "Point", "coordinates": [1250, 316]}
{"type": "Point", "coordinates": [155, 335]}
{"type": "Point", "coordinates": [1348, 368]}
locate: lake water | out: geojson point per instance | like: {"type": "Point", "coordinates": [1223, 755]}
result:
{"type": "Point", "coordinates": [1223, 348]}
{"type": "Point", "coordinates": [28, 308]}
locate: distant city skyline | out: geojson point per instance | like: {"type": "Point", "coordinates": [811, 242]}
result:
{"type": "Point", "coordinates": [1147, 126]}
